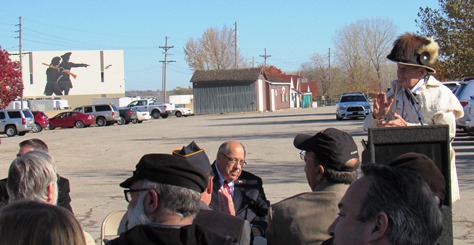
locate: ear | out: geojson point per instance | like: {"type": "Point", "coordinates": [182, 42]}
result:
{"type": "Point", "coordinates": [151, 202]}
{"type": "Point", "coordinates": [380, 227]}
{"type": "Point", "coordinates": [51, 189]}
{"type": "Point", "coordinates": [209, 185]}
{"type": "Point", "coordinates": [320, 171]}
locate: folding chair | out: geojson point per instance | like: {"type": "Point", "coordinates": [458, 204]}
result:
{"type": "Point", "coordinates": [113, 225]}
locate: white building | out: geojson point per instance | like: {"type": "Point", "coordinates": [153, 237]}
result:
{"type": "Point", "coordinates": [92, 73]}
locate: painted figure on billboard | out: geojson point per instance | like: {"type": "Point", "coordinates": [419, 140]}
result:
{"type": "Point", "coordinates": [64, 81]}
{"type": "Point", "coordinates": [53, 73]}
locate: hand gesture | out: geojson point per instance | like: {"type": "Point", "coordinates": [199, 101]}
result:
{"type": "Point", "coordinates": [226, 204]}
{"type": "Point", "coordinates": [381, 106]}
{"type": "Point", "coordinates": [397, 122]}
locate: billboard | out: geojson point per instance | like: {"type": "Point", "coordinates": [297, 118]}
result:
{"type": "Point", "coordinates": [58, 73]}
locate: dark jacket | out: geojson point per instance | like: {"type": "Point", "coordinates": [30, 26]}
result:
{"type": "Point", "coordinates": [155, 234]}
{"type": "Point", "coordinates": [250, 202]}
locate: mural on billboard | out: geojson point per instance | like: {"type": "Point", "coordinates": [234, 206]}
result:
{"type": "Point", "coordinates": [58, 75]}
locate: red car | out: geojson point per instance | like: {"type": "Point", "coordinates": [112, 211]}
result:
{"type": "Point", "coordinates": [71, 119]}
{"type": "Point", "coordinates": [41, 121]}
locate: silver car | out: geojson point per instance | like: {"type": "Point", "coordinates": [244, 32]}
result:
{"type": "Point", "coordinates": [464, 93]}
{"type": "Point", "coordinates": [105, 114]}
{"type": "Point", "coordinates": [16, 122]}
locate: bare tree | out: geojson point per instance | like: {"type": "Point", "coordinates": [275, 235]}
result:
{"type": "Point", "coordinates": [318, 70]}
{"type": "Point", "coordinates": [361, 49]}
{"type": "Point", "coordinates": [213, 51]}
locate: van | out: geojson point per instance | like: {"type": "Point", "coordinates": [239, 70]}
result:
{"type": "Point", "coordinates": [105, 114]}
{"type": "Point", "coordinates": [16, 122]}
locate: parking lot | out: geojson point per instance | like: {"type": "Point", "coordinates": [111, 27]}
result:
{"type": "Point", "coordinates": [97, 159]}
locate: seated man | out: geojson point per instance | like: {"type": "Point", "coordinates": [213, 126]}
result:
{"type": "Point", "coordinates": [33, 176]}
{"type": "Point", "coordinates": [222, 223]}
{"type": "Point", "coordinates": [164, 195]}
{"type": "Point", "coordinates": [388, 205]}
{"type": "Point", "coordinates": [331, 161]}
{"type": "Point", "coordinates": [246, 189]}
{"type": "Point", "coordinates": [64, 200]}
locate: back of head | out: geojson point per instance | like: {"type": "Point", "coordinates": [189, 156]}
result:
{"type": "Point", "coordinates": [35, 143]}
{"type": "Point", "coordinates": [412, 210]}
{"type": "Point", "coordinates": [335, 150]}
{"type": "Point", "coordinates": [36, 223]}
{"type": "Point", "coordinates": [30, 175]}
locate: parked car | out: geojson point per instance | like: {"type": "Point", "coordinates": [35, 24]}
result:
{"type": "Point", "coordinates": [70, 119]}
{"type": "Point", "coordinates": [16, 122]}
{"type": "Point", "coordinates": [182, 111]}
{"type": "Point", "coordinates": [104, 114]}
{"type": "Point", "coordinates": [452, 85]}
{"type": "Point", "coordinates": [352, 105]}
{"type": "Point", "coordinates": [464, 93]}
{"type": "Point", "coordinates": [41, 121]}
{"type": "Point", "coordinates": [140, 115]}
{"type": "Point", "coordinates": [469, 115]}
{"type": "Point", "coordinates": [125, 116]}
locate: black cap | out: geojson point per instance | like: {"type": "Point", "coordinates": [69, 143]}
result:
{"type": "Point", "coordinates": [195, 155]}
{"type": "Point", "coordinates": [168, 169]}
{"type": "Point", "coordinates": [333, 148]}
{"type": "Point", "coordinates": [426, 168]}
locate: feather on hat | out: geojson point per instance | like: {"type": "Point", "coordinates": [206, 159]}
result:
{"type": "Point", "coordinates": [414, 50]}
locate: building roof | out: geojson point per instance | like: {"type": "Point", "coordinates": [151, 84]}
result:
{"type": "Point", "coordinates": [247, 74]}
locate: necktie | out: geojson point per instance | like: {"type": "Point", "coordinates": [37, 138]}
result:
{"type": "Point", "coordinates": [227, 187]}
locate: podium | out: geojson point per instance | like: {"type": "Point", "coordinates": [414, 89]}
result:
{"type": "Point", "coordinates": [384, 144]}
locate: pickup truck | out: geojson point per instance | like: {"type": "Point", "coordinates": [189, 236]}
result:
{"type": "Point", "coordinates": [156, 109]}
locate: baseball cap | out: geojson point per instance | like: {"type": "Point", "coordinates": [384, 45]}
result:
{"type": "Point", "coordinates": [332, 146]}
{"type": "Point", "coordinates": [168, 169]}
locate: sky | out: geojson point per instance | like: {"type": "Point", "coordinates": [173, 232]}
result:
{"type": "Point", "coordinates": [290, 31]}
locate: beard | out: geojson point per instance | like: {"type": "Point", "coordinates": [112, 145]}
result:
{"type": "Point", "coordinates": [136, 215]}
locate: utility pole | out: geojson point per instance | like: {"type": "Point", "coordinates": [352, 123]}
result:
{"type": "Point", "coordinates": [265, 56]}
{"type": "Point", "coordinates": [21, 64]}
{"type": "Point", "coordinates": [166, 61]}
{"type": "Point", "coordinates": [235, 47]}
{"type": "Point", "coordinates": [329, 65]}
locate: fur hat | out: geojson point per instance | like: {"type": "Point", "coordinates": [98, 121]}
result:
{"type": "Point", "coordinates": [414, 50]}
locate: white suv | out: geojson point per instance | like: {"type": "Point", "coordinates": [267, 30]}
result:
{"type": "Point", "coordinates": [352, 105]}
{"type": "Point", "coordinates": [16, 122]}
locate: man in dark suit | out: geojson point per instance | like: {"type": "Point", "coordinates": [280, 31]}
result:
{"type": "Point", "coordinates": [331, 160]}
{"type": "Point", "coordinates": [246, 190]}
{"type": "Point", "coordinates": [221, 223]}
{"type": "Point", "coordinates": [64, 200]}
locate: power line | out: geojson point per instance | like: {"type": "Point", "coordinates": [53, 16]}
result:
{"type": "Point", "coordinates": [265, 56]}
{"type": "Point", "coordinates": [165, 62]}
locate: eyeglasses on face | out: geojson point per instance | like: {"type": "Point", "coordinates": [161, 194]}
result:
{"type": "Point", "coordinates": [234, 161]}
{"type": "Point", "coordinates": [303, 156]}
{"type": "Point", "coordinates": [128, 193]}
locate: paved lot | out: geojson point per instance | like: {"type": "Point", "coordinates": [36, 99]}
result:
{"type": "Point", "coordinates": [96, 160]}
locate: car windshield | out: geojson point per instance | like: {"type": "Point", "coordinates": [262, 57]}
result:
{"type": "Point", "coordinates": [355, 98]}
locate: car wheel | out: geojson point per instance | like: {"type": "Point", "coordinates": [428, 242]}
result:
{"type": "Point", "coordinates": [10, 131]}
{"type": "Point", "coordinates": [155, 114]}
{"type": "Point", "coordinates": [140, 121]}
{"type": "Point", "coordinates": [134, 121]}
{"type": "Point", "coordinates": [338, 117]}
{"type": "Point", "coordinates": [178, 114]}
{"type": "Point", "coordinates": [37, 128]}
{"type": "Point", "coordinates": [469, 131]}
{"type": "Point", "coordinates": [164, 116]}
{"type": "Point", "coordinates": [79, 124]}
{"type": "Point", "coordinates": [101, 121]}
{"type": "Point", "coordinates": [50, 127]}
{"type": "Point", "coordinates": [121, 121]}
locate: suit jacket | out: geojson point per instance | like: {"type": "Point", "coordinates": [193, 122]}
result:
{"type": "Point", "coordinates": [304, 218]}
{"type": "Point", "coordinates": [250, 202]}
{"type": "Point", "coordinates": [223, 224]}
{"type": "Point", "coordinates": [64, 200]}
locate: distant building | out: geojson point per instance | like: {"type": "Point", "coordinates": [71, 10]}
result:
{"type": "Point", "coordinates": [238, 90]}
{"type": "Point", "coordinates": [84, 74]}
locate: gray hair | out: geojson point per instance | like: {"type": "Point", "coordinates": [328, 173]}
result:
{"type": "Point", "coordinates": [414, 216]}
{"type": "Point", "coordinates": [176, 199]}
{"type": "Point", "coordinates": [30, 175]}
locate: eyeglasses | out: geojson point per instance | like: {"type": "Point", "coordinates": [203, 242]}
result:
{"type": "Point", "coordinates": [304, 157]}
{"type": "Point", "coordinates": [234, 161]}
{"type": "Point", "coordinates": [128, 193]}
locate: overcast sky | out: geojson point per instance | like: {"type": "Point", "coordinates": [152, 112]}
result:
{"type": "Point", "coordinates": [291, 31]}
